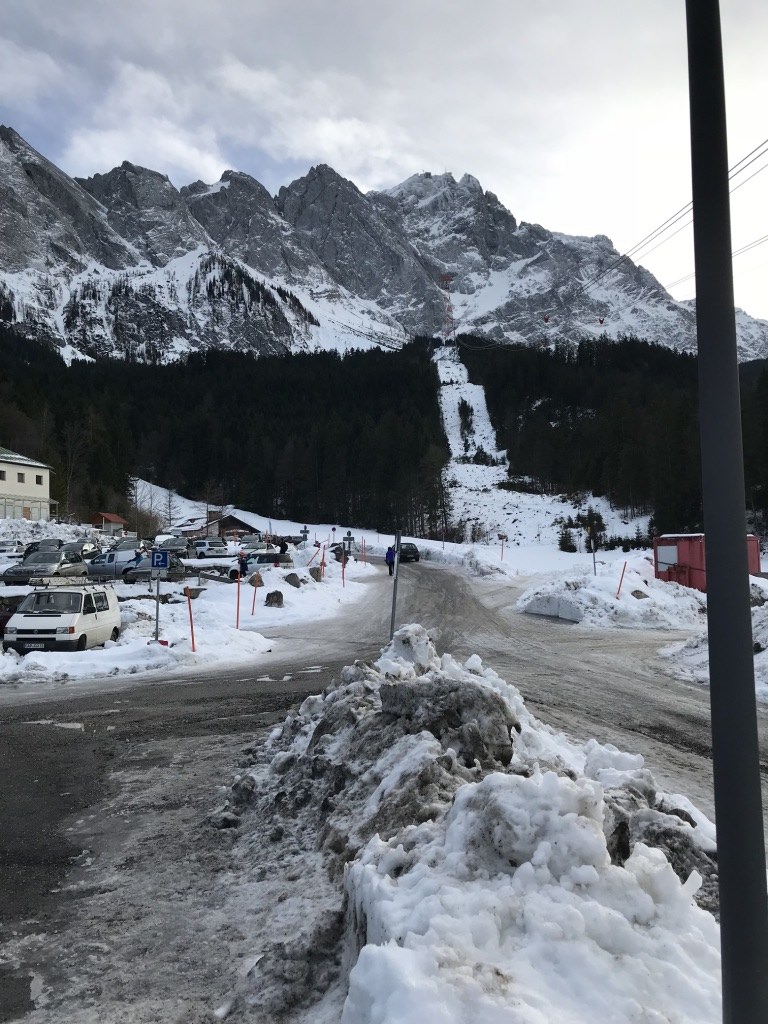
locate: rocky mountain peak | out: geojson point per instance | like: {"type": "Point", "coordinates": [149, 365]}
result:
{"type": "Point", "coordinates": [46, 219]}
{"type": "Point", "coordinates": [123, 263]}
{"type": "Point", "coordinates": [240, 215]}
{"type": "Point", "coordinates": [144, 206]}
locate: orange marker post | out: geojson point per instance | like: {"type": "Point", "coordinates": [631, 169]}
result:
{"type": "Point", "coordinates": [191, 623]}
{"type": "Point", "coordinates": [621, 580]}
{"type": "Point", "coordinates": [322, 564]}
{"type": "Point", "coordinates": [253, 606]}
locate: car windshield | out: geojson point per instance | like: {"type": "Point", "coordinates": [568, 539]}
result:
{"type": "Point", "coordinates": [42, 557]}
{"type": "Point", "coordinates": [46, 601]}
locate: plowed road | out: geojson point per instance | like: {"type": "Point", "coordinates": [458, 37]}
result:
{"type": "Point", "coordinates": [125, 784]}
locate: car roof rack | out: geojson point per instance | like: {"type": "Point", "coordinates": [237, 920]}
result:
{"type": "Point", "coordinates": [47, 582]}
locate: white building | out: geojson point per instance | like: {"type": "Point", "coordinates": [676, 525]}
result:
{"type": "Point", "coordinates": [25, 488]}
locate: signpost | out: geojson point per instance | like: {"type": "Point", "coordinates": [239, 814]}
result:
{"type": "Point", "coordinates": [161, 560]}
{"type": "Point", "coordinates": [394, 585]}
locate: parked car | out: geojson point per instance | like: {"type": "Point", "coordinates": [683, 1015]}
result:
{"type": "Point", "coordinates": [256, 544]}
{"type": "Point", "coordinates": [11, 549]}
{"type": "Point", "coordinates": [178, 545]}
{"type": "Point", "coordinates": [409, 552]}
{"type": "Point", "coordinates": [45, 563]}
{"type": "Point", "coordinates": [210, 547]}
{"type": "Point", "coordinates": [8, 606]}
{"type": "Point", "coordinates": [126, 544]}
{"type": "Point", "coordinates": [110, 564]}
{"type": "Point", "coordinates": [136, 572]}
{"type": "Point", "coordinates": [85, 548]}
{"type": "Point", "coordinates": [68, 618]}
{"type": "Point", "coordinates": [46, 544]}
{"type": "Point", "coordinates": [261, 560]}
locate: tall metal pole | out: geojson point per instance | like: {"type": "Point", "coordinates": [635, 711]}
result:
{"type": "Point", "coordinates": [394, 586]}
{"type": "Point", "coordinates": [735, 752]}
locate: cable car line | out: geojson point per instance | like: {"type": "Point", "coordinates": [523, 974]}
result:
{"type": "Point", "coordinates": [738, 168]}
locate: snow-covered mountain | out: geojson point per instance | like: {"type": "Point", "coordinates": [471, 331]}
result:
{"type": "Point", "coordinates": [125, 264]}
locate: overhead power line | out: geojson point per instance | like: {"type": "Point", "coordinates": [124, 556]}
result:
{"type": "Point", "coordinates": [738, 168]}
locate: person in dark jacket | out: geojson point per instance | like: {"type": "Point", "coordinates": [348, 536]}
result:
{"type": "Point", "coordinates": [283, 546]}
{"type": "Point", "coordinates": [390, 559]}
{"type": "Point", "coordinates": [242, 564]}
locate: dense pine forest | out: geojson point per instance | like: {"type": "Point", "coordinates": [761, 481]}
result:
{"type": "Point", "coordinates": [616, 419]}
{"type": "Point", "coordinates": [358, 438]}
{"type": "Point", "coordinates": [320, 438]}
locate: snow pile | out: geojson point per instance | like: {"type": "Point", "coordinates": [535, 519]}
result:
{"type": "Point", "coordinates": [636, 601]}
{"type": "Point", "coordinates": [689, 659]}
{"type": "Point", "coordinates": [456, 860]}
{"type": "Point", "coordinates": [27, 530]}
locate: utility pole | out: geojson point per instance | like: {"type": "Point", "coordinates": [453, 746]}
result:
{"type": "Point", "coordinates": [394, 586]}
{"type": "Point", "coordinates": [735, 751]}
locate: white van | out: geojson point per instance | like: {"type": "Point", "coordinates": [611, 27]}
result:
{"type": "Point", "coordinates": [64, 618]}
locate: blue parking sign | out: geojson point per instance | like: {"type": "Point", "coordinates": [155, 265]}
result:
{"type": "Point", "coordinates": [160, 559]}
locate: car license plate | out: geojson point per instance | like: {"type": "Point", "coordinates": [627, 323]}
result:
{"type": "Point", "coordinates": [31, 645]}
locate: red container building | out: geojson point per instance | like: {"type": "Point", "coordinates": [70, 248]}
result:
{"type": "Point", "coordinates": [680, 558]}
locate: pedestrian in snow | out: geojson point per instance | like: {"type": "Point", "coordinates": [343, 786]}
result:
{"type": "Point", "coordinates": [242, 564]}
{"type": "Point", "coordinates": [283, 546]}
{"type": "Point", "coordinates": [390, 559]}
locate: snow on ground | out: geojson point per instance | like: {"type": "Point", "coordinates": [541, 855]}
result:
{"type": "Point", "coordinates": [221, 637]}
{"type": "Point", "coordinates": [589, 897]}
{"type": "Point", "coordinates": [464, 863]}
{"type": "Point", "coordinates": [623, 592]}
{"type": "Point", "coordinates": [612, 590]}
{"type": "Point", "coordinates": [477, 500]}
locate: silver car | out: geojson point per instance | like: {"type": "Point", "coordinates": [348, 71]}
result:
{"type": "Point", "coordinates": [45, 563]}
{"type": "Point", "coordinates": [109, 565]}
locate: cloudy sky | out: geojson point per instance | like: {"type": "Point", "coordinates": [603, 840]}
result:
{"type": "Point", "coordinates": [574, 114]}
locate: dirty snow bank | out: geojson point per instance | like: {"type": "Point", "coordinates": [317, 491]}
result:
{"type": "Point", "coordinates": [636, 601]}
{"type": "Point", "coordinates": [455, 860]}
{"type": "Point", "coordinates": [690, 659]}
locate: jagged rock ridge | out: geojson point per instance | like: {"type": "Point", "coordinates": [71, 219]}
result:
{"type": "Point", "coordinates": [124, 264]}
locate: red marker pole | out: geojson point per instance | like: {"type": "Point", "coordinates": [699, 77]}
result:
{"type": "Point", "coordinates": [253, 606]}
{"type": "Point", "coordinates": [621, 580]}
{"type": "Point", "coordinates": [322, 564]}
{"type": "Point", "coordinates": [191, 623]}
{"type": "Point", "coordinates": [237, 619]}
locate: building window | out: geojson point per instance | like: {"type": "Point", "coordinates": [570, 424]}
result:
{"type": "Point", "coordinates": [2, 474]}
{"type": "Point", "coordinates": [39, 479]}
{"type": "Point", "coordinates": [20, 478]}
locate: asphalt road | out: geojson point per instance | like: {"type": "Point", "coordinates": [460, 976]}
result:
{"type": "Point", "coordinates": [87, 769]}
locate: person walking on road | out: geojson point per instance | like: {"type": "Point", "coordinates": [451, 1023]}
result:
{"type": "Point", "coordinates": [390, 559]}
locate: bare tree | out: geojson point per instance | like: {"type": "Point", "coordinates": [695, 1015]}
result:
{"type": "Point", "coordinates": [73, 447]}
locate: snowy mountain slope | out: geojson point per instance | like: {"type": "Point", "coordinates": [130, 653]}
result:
{"type": "Point", "coordinates": [361, 269]}
{"type": "Point", "coordinates": [523, 283]}
{"type": "Point", "coordinates": [476, 496]}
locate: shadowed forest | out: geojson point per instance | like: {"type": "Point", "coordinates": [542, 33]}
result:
{"type": "Point", "coordinates": [358, 438]}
